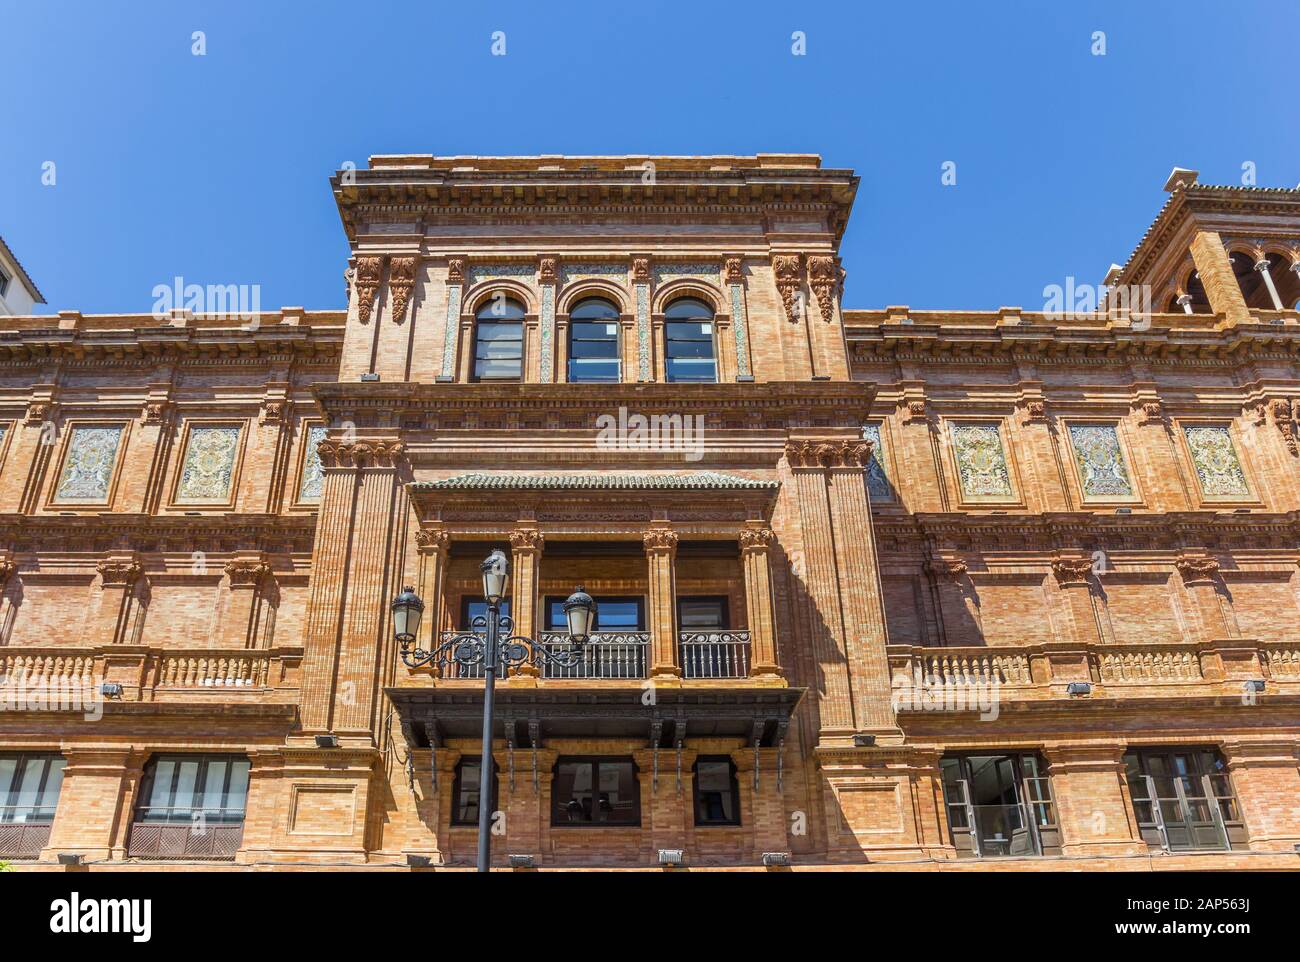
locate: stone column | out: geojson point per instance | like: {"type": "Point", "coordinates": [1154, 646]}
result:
{"type": "Point", "coordinates": [1073, 576]}
{"type": "Point", "coordinates": [1185, 302]}
{"type": "Point", "coordinates": [1266, 780]}
{"type": "Point", "coordinates": [1093, 806]}
{"type": "Point", "coordinates": [96, 803]}
{"type": "Point", "coordinates": [1215, 268]}
{"type": "Point", "coordinates": [245, 575]}
{"type": "Point", "coordinates": [345, 641]}
{"type": "Point", "coordinates": [661, 550]}
{"type": "Point", "coordinates": [755, 559]}
{"type": "Point", "coordinates": [433, 545]}
{"type": "Point", "coordinates": [1200, 577]}
{"type": "Point", "coordinates": [118, 575]}
{"type": "Point", "coordinates": [1261, 265]}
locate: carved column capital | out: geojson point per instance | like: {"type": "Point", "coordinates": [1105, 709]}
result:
{"type": "Point", "coordinates": [733, 270]}
{"type": "Point", "coordinates": [274, 411]}
{"type": "Point", "coordinates": [527, 541]}
{"type": "Point", "coordinates": [38, 412]}
{"type": "Point", "coordinates": [917, 410]}
{"type": "Point", "coordinates": [949, 568]}
{"type": "Point", "coordinates": [1072, 572]}
{"type": "Point", "coordinates": [1197, 570]}
{"type": "Point", "coordinates": [815, 453]}
{"type": "Point", "coordinates": [456, 270]}
{"type": "Point", "coordinates": [155, 412]}
{"type": "Point", "coordinates": [401, 281]}
{"type": "Point", "coordinates": [431, 540]}
{"type": "Point", "coordinates": [660, 541]}
{"type": "Point", "coordinates": [548, 269]}
{"type": "Point", "coordinates": [369, 270]}
{"type": "Point", "coordinates": [7, 570]}
{"type": "Point", "coordinates": [246, 572]}
{"type": "Point", "coordinates": [641, 270]}
{"type": "Point", "coordinates": [359, 454]}
{"type": "Point", "coordinates": [119, 574]}
{"type": "Point", "coordinates": [1153, 412]}
{"type": "Point", "coordinates": [755, 539]}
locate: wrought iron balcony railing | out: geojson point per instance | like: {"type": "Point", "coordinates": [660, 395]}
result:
{"type": "Point", "coordinates": [608, 654]}
{"type": "Point", "coordinates": [715, 653]}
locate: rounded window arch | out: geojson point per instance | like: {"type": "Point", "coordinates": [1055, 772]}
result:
{"type": "Point", "coordinates": [594, 355]}
{"type": "Point", "coordinates": [689, 352]}
{"type": "Point", "coordinates": [499, 340]}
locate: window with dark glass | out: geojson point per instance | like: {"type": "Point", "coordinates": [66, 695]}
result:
{"type": "Point", "coordinates": [702, 614]}
{"type": "Point", "coordinates": [465, 791]}
{"type": "Point", "coordinates": [595, 791]}
{"type": "Point", "coordinates": [613, 613]}
{"type": "Point", "coordinates": [499, 340]}
{"type": "Point", "coordinates": [717, 796]}
{"type": "Point", "coordinates": [593, 342]}
{"type": "Point", "coordinates": [999, 806]}
{"type": "Point", "coordinates": [688, 347]}
{"type": "Point", "coordinates": [187, 788]}
{"type": "Point", "coordinates": [471, 608]}
{"type": "Point", "coordinates": [1183, 799]}
{"type": "Point", "coordinates": [29, 787]}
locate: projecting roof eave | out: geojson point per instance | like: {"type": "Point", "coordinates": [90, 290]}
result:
{"type": "Point", "coordinates": [604, 481]}
{"type": "Point", "coordinates": [23, 277]}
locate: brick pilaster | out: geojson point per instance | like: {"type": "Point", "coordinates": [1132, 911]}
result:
{"type": "Point", "coordinates": [1266, 780]}
{"type": "Point", "coordinates": [661, 551]}
{"type": "Point", "coordinates": [1093, 805]}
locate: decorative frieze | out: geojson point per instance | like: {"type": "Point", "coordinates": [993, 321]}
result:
{"type": "Point", "coordinates": [831, 453]}
{"type": "Point", "coordinates": [369, 271]}
{"type": "Point", "coordinates": [668, 271]}
{"type": "Point", "coordinates": [359, 454]}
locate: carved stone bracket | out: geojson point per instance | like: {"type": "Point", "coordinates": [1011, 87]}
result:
{"type": "Point", "coordinates": [456, 270]}
{"type": "Point", "coordinates": [830, 453]}
{"type": "Point", "coordinates": [1283, 417]}
{"type": "Point", "coordinates": [822, 279]}
{"type": "Point", "coordinates": [1035, 411]}
{"type": "Point", "coordinates": [1153, 412]}
{"type": "Point", "coordinates": [787, 270]}
{"type": "Point", "coordinates": [1197, 570]}
{"type": "Point", "coordinates": [7, 571]}
{"type": "Point", "coordinates": [917, 410]}
{"type": "Point", "coordinates": [1072, 572]}
{"type": "Point", "coordinates": [733, 270]}
{"type": "Point", "coordinates": [155, 412]}
{"type": "Point", "coordinates": [548, 270]}
{"type": "Point", "coordinates": [641, 270]}
{"type": "Point", "coordinates": [38, 411]}
{"type": "Point", "coordinates": [274, 411]}
{"type": "Point", "coordinates": [401, 281]}
{"type": "Point", "coordinates": [369, 270]}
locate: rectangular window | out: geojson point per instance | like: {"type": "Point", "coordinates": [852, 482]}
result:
{"type": "Point", "coordinates": [623, 613]}
{"type": "Point", "coordinates": [186, 788]}
{"type": "Point", "coordinates": [999, 806]}
{"type": "Point", "coordinates": [702, 614]}
{"type": "Point", "coordinates": [593, 352]}
{"type": "Point", "coordinates": [471, 608]}
{"type": "Point", "coordinates": [88, 464]}
{"type": "Point", "coordinates": [498, 351]}
{"type": "Point", "coordinates": [4, 282]}
{"type": "Point", "coordinates": [595, 791]}
{"type": "Point", "coordinates": [466, 792]}
{"type": "Point", "coordinates": [689, 351]}
{"type": "Point", "coordinates": [1183, 799]}
{"type": "Point", "coordinates": [29, 787]}
{"type": "Point", "coordinates": [717, 796]}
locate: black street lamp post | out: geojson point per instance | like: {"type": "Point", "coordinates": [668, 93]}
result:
{"type": "Point", "coordinates": [484, 645]}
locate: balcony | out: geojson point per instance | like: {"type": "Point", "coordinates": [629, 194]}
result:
{"type": "Point", "coordinates": [186, 839]}
{"type": "Point", "coordinates": [22, 840]}
{"type": "Point", "coordinates": [1041, 671]}
{"type": "Point", "coordinates": [624, 655]}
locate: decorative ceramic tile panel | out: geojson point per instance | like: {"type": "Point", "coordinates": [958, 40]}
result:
{"type": "Point", "coordinates": [451, 330]}
{"type": "Point", "coordinates": [643, 331]}
{"type": "Point", "coordinates": [548, 332]}
{"type": "Point", "coordinates": [981, 461]}
{"type": "Point", "coordinates": [740, 328]}
{"type": "Point", "coordinates": [208, 469]}
{"type": "Point", "coordinates": [88, 465]}
{"type": "Point", "coordinates": [313, 477]}
{"type": "Point", "coordinates": [878, 485]}
{"type": "Point", "coordinates": [665, 272]}
{"type": "Point", "coordinates": [1215, 460]}
{"type": "Point", "coordinates": [1101, 463]}
{"type": "Point", "coordinates": [577, 271]}
{"type": "Point", "coordinates": [482, 272]}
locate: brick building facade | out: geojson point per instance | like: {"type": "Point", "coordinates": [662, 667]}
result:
{"type": "Point", "coordinates": [890, 588]}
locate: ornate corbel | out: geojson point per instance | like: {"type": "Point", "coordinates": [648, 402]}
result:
{"type": "Point", "coordinates": [660, 541]}
{"type": "Point", "coordinates": [755, 539]}
{"type": "Point", "coordinates": [733, 270]}
{"type": "Point", "coordinates": [1071, 572]}
{"type": "Point", "coordinates": [1197, 570]}
{"type": "Point", "coordinates": [641, 270]}
{"type": "Point", "coordinates": [822, 279]}
{"type": "Point", "coordinates": [917, 410]}
{"type": "Point", "coordinates": [430, 540]}
{"type": "Point", "coordinates": [548, 270]}
{"type": "Point", "coordinates": [119, 574]}
{"type": "Point", "coordinates": [948, 568]}
{"type": "Point", "coordinates": [246, 572]}
{"type": "Point", "coordinates": [1035, 411]}
{"type": "Point", "coordinates": [456, 270]}
{"type": "Point", "coordinates": [786, 267]}
{"type": "Point", "coordinates": [274, 411]}
{"type": "Point", "coordinates": [401, 281]}
{"type": "Point", "coordinates": [1284, 419]}
{"type": "Point", "coordinates": [369, 270]}
{"type": "Point", "coordinates": [1153, 412]}
{"type": "Point", "coordinates": [38, 412]}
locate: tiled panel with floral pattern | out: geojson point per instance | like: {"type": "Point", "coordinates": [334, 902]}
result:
{"type": "Point", "coordinates": [88, 465]}
{"type": "Point", "coordinates": [208, 469]}
{"type": "Point", "coordinates": [1214, 457]}
{"type": "Point", "coordinates": [1102, 471]}
{"type": "Point", "coordinates": [981, 461]}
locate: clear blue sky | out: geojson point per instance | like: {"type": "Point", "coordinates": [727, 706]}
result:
{"type": "Point", "coordinates": [215, 168]}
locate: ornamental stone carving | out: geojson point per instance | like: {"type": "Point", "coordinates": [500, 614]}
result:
{"type": "Point", "coordinates": [1196, 570]}
{"type": "Point", "coordinates": [641, 270]}
{"type": "Point", "coordinates": [548, 270]}
{"type": "Point", "coordinates": [244, 573]}
{"type": "Point", "coordinates": [1071, 572]}
{"type": "Point", "coordinates": [952, 568]}
{"type": "Point", "coordinates": [369, 270]}
{"type": "Point", "coordinates": [37, 412]}
{"type": "Point", "coordinates": [456, 270]}
{"type": "Point", "coordinates": [733, 270]}
{"type": "Point", "coordinates": [359, 454]}
{"type": "Point", "coordinates": [822, 279]}
{"type": "Point", "coordinates": [660, 540]}
{"type": "Point", "coordinates": [527, 540]}
{"type": "Point", "coordinates": [830, 453]}
{"type": "Point", "coordinates": [155, 412]}
{"type": "Point", "coordinates": [7, 571]}
{"type": "Point", "coordinates": [273, 412]}
{"type": "Point", "coordinates": [786, 269]}
{"type": "Point", "coordinates": [1153, 412]}
{"type": "Point", "coordinates": [1283, 418]}
{"type": "Point", "coordinates": [429, 540]}
{"type": "Point", "coordinates": [401, 281]}
{"type": "Point", "coordinates": [119, 574]}
{"type": "Point", "coordinates": [756, 539]}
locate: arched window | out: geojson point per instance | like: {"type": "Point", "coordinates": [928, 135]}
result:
{"type": "Point", "coordinates": [499, 340]}
{"type": "Point", "coordinates": [688, 347]}
{"type": "Point", "coordinates": [593, 342]}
